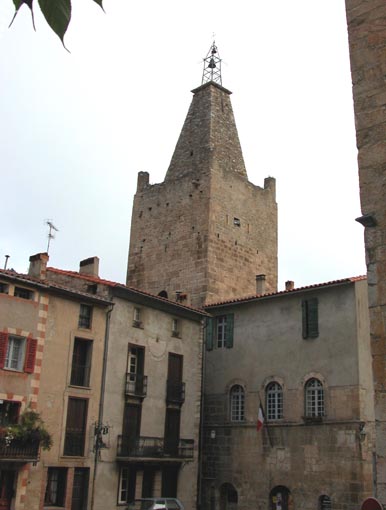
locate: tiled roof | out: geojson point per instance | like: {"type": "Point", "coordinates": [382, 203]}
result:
{"type": "Point", "coordinates": [109, 283]}
{"type": "Point", "coordinates": [279, 293]}
{"type": "Point", "coordinates": [47, 284]}
{"type": "Point", "coordinates": [81, 276]}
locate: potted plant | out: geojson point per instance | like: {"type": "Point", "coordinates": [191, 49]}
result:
{"type": "Point", "coordinates": [30, 428]}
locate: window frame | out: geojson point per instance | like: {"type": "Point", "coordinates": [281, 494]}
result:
{"type": "Point", "coordinates": [237, 404]}
{"type": "Point", "coordinates": [85, 319]}
{"type": "Point", "coordinates": [88, 362]}
{"type": "Point", "coordinates": [9, 412]}
{"type": "Point", "coordinates": [12, 339]}
{"type": "Point", "coordinates": [61, 486]}
{"type": "Point", "coordinates": [274, 401]}
{"type": "Point", "coordinates": [314, 401]}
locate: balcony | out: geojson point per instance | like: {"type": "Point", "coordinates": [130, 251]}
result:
{"type": "Point", "coordinates": [154, 447]}
{"type": "Point", "coordinates": [80, 375]}
{"type": "Point", "coordinates": [136, 385]}
{"type": "Point", "coordinates": [175, 392]}
{"type": "Point", "coordinates": [19, 451]}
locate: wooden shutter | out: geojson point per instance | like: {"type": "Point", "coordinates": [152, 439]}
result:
{"type": "Point", "coordinates": [229, 331]}
{"type": "Point", "coordinates": [313, 329]}
{"type": "Point", "coordinates": [30, 355]}
{"type": "Point", "coordinates": [310, 318]}
{"type": "Point", "coordinates": [209, 334]}
{"type": "Point", "coordinates": [3, 348]}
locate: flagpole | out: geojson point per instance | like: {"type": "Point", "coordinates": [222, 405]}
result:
{"type": "Point", "coordinates": [266, 423]}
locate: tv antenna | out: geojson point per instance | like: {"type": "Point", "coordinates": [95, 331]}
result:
{"type": "Point", "coordinates": [51, 231]}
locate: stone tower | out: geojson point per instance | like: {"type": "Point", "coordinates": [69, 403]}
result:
{"type": "Point", "coordinates": [206, 231]}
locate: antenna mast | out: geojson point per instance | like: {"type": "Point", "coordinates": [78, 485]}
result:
{"type": "Point", "coordinates": [51, 235]}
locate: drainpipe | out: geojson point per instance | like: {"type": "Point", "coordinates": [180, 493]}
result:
{"type": "Point", "coordinates": [201, 434]}
{"type": "Point", "coordinates": [101, 400]}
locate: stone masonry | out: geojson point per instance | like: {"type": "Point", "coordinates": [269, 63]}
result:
{"type": "Point", "coordinates": [206, 231]}
{"type": "Point", "coordinates": [367, 39]}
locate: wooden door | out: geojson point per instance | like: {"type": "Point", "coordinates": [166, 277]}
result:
{"type": "Point", "coordinates": [7, 480]}
{"type": "Point", "coordinates": [80, 489]}
{"type": "Point", "coordinates": [172, 431]}
{"type": "Point", "coordinates": [75, 427]}
{"type": "Point", "coordinates": [131, 427]}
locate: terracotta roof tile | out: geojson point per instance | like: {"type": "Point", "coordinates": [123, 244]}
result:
{"type": "Point", "coordinates": [109, 283]}
{"type": "Point", "coordinates": [281, 292]}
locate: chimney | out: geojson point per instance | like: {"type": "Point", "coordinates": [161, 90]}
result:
{"type": "Point", "coordinates": [260, 284]}
{"type": "Point", "coordinates": [38, 265]}
{"type": "Point", "coordinates": [289, 285]}
{"type": "Point", "coordinates": [89, 266]}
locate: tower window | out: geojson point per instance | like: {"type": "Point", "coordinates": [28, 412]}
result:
{"type": "Point", "coordinates": [236, 222]}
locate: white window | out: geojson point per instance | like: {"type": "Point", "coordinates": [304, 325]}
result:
{"type": "Point", "coordinates": [274, 401]}
{"type": "Point", "coordinates": [14, 358]}
{"type": "Point", "coordinates": [314, 398]}
{"type": "Point", "coordinates": [123, 486]}
{"type": "Point", "coordinates": [237, 403]}
{"type": "Point", "coordinates": [221, 331]}
{"type": "Point", "coordinates": [133, 363]}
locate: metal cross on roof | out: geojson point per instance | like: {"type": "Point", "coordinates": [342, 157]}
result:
{"type": "Point", "coordinates": [212, 66]}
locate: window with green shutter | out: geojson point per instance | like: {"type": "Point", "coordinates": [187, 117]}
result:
{"type": "Point", "coordinates": [310, 318]}
{"type": "Point", "coordinates": [219, 332]}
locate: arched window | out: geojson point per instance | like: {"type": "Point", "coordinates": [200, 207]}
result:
{"type": "Point", "coordinates": [314, 398]}
{"type": "Point", "coordinates": [325, 503]}
{"type": "Point", "coordinates": [228, 497]}
{"type": "Point", "coordinates": [163, 293]}
{"type": "Point", "coordinates": [237, 401]}
{"type": "Point", "coordinates": [280, 498]}
{"type": "Point", "coordinates": [274, 401]}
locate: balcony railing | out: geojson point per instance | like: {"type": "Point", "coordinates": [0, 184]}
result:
{"type": "Point", "coordinates": [154, 447]}
{"type": "Point", "coordinates": [136, 385]}
{"type": "Point", "coordinates": [18, 450]}
{"type": "Point", "coordinates": [175, 392]}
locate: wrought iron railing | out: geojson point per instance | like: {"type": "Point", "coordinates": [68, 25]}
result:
{"type": "Point", "coordinates": [136, 385]}
{"type": "Point", "coordinates": [175, 392]}
{"type": "Point", "coordinates": [154, 447]}
{"type": "Point", "coordinates": [17, 449]}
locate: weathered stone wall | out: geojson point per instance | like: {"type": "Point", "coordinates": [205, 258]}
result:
{"type": "Point", "coordinates": [183, 232]}
{"type": "Point", "coordinates": [367, 39]}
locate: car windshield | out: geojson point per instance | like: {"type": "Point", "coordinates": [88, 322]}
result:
{"type": "Point", "coordinates": [148, 504]}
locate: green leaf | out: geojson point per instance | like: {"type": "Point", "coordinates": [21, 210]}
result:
{"type": "Point", "coordinates": [57, 14]}
{"type": "Point", "coordinates": [99, 2]}
{"type": "Point", "coordinates": [18, 4]}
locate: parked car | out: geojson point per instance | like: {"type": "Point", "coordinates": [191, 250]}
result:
{"type": "Point", "coordinates": [156, 504]}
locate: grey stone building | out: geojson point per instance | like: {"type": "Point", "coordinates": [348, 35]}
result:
{"type": "Point", "coordinates": [304, 356]}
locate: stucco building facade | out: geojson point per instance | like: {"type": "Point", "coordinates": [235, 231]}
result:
{"type": "Point", "coordinates": [44, 328]}
{"type": "Point", "coordinates": [149, 422]}
{"type": "Point", "coordinates": [303, 355]}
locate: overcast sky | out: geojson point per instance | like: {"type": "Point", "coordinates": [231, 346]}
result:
{"type": "Point", "coordinates": [77, 127]}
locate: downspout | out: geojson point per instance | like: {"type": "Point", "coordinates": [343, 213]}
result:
{"type": "Point", "coordinates": [101, 401]}
{"type": "Point", "coordinates": [201, 435]}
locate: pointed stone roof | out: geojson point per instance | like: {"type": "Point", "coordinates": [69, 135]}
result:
{"type": "Point", "coordinates": [209, 138]}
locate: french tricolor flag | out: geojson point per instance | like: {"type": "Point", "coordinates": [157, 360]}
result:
{"type": "Point", "coordinates": [260, 418]}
